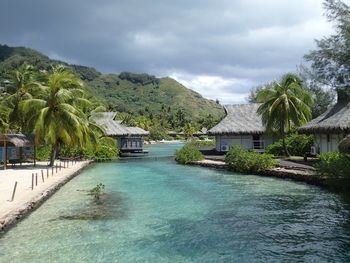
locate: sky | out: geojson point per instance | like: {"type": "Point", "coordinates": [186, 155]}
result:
{"type": "Point", "coordinates": [220, 48]}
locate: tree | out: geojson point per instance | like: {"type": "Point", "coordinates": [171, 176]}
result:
{"type": "Point", "coordinates": [208, 122]}
{"type": "Point", "coordinates": [190, 128]}
{"type": "Point", "coordinates": [285, 105]}
{"type": "Point", "coordinates": [143, 122]}
{"type": "Point", "coordinates": [252, 97]}
{"type": "Point", "coordinates": [56, 119]}
{"type": "Point", "coordinates": [322, 96]}
{"type": "Point", "coordinates": [22, 87]}
{"type": "Point", "coordinates": [331, 61]}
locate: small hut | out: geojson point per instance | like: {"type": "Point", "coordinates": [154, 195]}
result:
{"type": "Point", "coordinates": [243, 126]}
{"type": "Point", "coordinates": [332, 126]}
{"type": "Point", "coordinates": [16, 147]}
{"type": "Point", "coordinates": [129, 139]}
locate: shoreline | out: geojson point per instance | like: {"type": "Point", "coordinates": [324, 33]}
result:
{"type": "Point", "coordinates": [296, 175]}
{"type": "Point", "coordinates": [164, 142]}
{"type": "Point", "coordinates": [28, 200]}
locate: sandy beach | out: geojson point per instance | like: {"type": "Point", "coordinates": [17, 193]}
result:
{"type": "Point", "coordinates": [25, 197]}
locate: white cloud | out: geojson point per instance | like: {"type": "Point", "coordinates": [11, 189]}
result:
{"type": "Point", "coordinates": [226, 90]}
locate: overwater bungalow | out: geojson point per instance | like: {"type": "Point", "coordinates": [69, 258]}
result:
{"type": "Point", "coordinates": [242, 125]}
{"type": "Point", "coordinates": [331, 127]}
{"type": "Point", "coordinates": [129, 139]}
{"type": "Point", "coordinates": [16, 148]}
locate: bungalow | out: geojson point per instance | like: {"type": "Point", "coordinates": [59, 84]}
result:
{"type": "Point", "coordinates": [129, 139]}
{"type": "Point", "coordinates": [17, 147]}
{"type": "Point", "coordinates": [242, 125]}
{"type": "Point", "coordinates": [331, 127]}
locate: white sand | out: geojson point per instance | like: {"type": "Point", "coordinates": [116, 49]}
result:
{"type": "Point", "coordinates": [23, 176]}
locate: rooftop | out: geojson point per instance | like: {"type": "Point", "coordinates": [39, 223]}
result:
{"type": "Point", "coordinates": [114, 127]}
{"type": "Point", "coordinates": [240, 119]}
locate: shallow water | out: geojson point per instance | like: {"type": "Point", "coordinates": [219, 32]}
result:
{"type": "Point", "coordinates": [158, 211]}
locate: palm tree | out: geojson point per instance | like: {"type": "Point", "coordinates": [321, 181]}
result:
{"type": "Point", "coordinates": [58, 119]}
{"type": "Point", "coordinates": [22, 87]}
{"type": "Point", "coordinates": [285, 105]}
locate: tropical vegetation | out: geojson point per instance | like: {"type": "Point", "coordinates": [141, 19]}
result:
{"type": "Point", "coordinates": [163, 101]}
{"type": "Point", "coordinates": [240, 160]}
{"type": "Point", "coordinates": [188, 153]}
{"type": "Point", "coordinates": [333, 164]}
{"type": "Point", "coordinates": [286, 105]}
{"type": "Point", "coordinates": [297, 145]}
{"type": "Point", "coordinates": [55, 106]}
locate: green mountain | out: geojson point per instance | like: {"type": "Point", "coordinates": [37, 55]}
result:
{"type": "Point", "coordinates": [123, 92]}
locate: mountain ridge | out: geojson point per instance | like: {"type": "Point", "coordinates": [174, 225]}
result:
{"type": "Point", "coordinates": [125, 91]}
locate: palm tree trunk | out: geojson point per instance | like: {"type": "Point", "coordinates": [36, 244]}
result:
{"type": "Point", "coordinates": [285, 145]}
{"type": "Point", "coordinates": [53, 154]}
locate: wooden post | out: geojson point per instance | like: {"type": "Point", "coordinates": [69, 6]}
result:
{"type": "Point", "coordinates": [47, 172]}
{"type": "Point", "coordinates": [34, 155]}
{"type": "Point", "coordinates": [42, 176]}
{"type": "Point", "coordinates": [36, 179]}
{"type": "Point", "coordinates": [5, 155]}
{"type": "Point", "coordinates": [52, 171]}
{"type": "Point", "coordinates": [14, 191]}
{"type": "Point", "coordinates": [32, 181]}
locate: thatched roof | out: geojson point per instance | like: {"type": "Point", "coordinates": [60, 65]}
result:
{"type": "Point", "coordinates": [18, 140]}
{"type": "Point", "coordinates": [240, 119]}
{"type": "Point", "coordinates": [344, 145]}
{"type": "Point", "coordinates": [334, 120]}
{"type": "Point", "coordinates": [114, 128]}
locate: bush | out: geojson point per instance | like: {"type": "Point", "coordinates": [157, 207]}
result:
{"type": "Point", "coordinates": [159, 133]}
{"type": "Point", "coordinates": [104, 150]}
{"type": "Point", "coordinates": [297, 144]}
{"type": "Point", "coordinates": [200, 143]}
{"type": "Point", "coordinates": [188, 153]}
{"type": "Point", "coordinates": [43, 152]}
{"type": "Point", "coordinates": [333, 164]}
{"type": "Point", "coordinates": [239, 159]}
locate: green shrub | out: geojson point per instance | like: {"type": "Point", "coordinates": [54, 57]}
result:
{"type": "Point", "coordinates": [199, 143]}
{"type": "Point", "coordinates": [159, 133]}
{"type": "Point", "coordinates": [188, 153]}
{"type": "Point", "coordinates": [297, 144]}
{"type": "Point", "coordinates": [97, 191]}
{"type": "Point", "coordinates": [239, 159]}
{"type": "Point", "coordinates": [43, 152]}
{"type": "Point", "coordinates": [333, 164]}
{"type": "Point", "coordinates": [105, 149]}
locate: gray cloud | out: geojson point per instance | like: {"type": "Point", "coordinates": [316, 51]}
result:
{"type": "Point", "coordinates": [244, 42]}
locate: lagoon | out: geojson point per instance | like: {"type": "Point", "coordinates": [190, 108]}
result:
{"type": "Point", "coordinates": [159, 211]}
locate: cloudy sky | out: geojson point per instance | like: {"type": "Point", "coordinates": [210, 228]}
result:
{"type": "Point", "coordinates": [219, 48]}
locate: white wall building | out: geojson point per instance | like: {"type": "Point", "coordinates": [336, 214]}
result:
{"type": "Point", "coordinates": [242, 125]}
{"type": "Point", "coordinates": [332, 126]}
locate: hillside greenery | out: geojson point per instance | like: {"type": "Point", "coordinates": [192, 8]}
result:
{"type": "Point", "coordinates": [137, 94]}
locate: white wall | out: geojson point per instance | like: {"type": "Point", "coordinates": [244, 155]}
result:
{"type": "Point", "coordinates": [244, 140]}
{"type": "Point", "coordinates": [328, 143]}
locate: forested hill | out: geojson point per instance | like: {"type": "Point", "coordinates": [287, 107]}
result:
{"type": "Point", "coordinates": [123, 92]}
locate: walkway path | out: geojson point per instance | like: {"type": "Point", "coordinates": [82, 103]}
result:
{"type": "Point", "coordinates": [46, 181]}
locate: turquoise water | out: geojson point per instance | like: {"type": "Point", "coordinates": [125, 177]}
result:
{"type": "Point", "coordinates": [159, 211]}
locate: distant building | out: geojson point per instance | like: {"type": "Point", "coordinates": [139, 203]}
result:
{"type": "Point", "coordinates": [129, 139]}
{"type": "Point", "coordinates": [332, 126]}
{"type": "Point", "coordinates": [242, 125]}
{"type": "Point", "coordinates": [17, 148]}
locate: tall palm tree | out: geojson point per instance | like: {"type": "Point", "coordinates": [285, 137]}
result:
{"type": "Point", "coordinates": [57, 118]}
{"type": "Point", "coordinates": [285, 105]}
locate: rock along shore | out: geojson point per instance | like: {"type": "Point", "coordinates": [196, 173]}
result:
{"type": "Point", "coordinates": [295, 174]}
